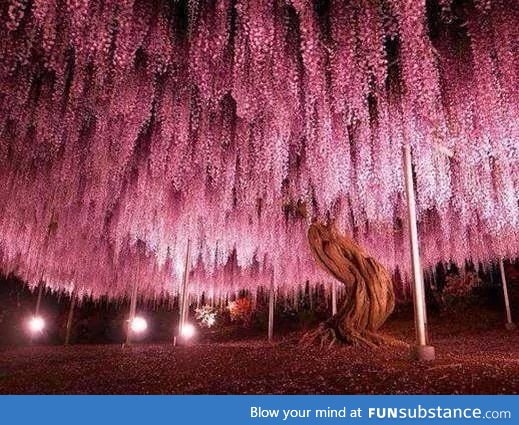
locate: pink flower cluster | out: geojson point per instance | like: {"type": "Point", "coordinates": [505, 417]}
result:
{"type": "Point", "coordinates": [129, 127]}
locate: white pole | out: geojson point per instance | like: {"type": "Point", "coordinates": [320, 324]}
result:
{"type": "Point", "coordinates": [422, 351]}
{"type": "Point", "coordinates": [334, 298]}
{"type": "Point", "coordinates": [38, 300]}
{"type": "Point", "coordinates": [133, 308]}
{"type": "Point", "coordinates": [271, 308]}
{"type": "Point", "coordinates": [185, 282]}
{"type": "Point", "coordinates": [70, 317]}
{"type": "Point", "coordinates": [509, 324]}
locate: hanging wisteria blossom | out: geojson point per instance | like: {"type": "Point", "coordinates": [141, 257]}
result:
{"type": "Point", "coordinates": [129, 127]}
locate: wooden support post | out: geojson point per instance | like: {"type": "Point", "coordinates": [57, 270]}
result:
{"type": "Point", "coordinates": [422, 351]}
{"type": "Point", "coordinates": [70, 317]}
{"type": "Point", "coordinates": [510, 325]}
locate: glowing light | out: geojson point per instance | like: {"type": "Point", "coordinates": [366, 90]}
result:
{"type": "Point", "coordinates": [188, 331]}
{"type": "Point", "coordinates": [138, 324]}
{"type": "Point", "coordinates": [36, 324]}
{"type": "Point", "coordinates": [211, 321]}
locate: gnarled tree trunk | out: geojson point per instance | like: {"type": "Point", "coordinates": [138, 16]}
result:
{"type": "Point", "coordinates": [370, 297]}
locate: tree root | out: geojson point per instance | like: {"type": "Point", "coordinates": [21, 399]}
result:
{"type": "Point", "coordinates": [323, 335]}
{"type": "Point", "coordinates": [370, 298]}
{"type": "Point", "coordinates": [327, 336]}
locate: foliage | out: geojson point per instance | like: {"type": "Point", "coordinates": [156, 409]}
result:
{"type": "Point", "coordinates": [240, 311]}
{"type": "Point", "coordinates": [461, 285]}
{"type": "Point", "coordinates": [206, 315]}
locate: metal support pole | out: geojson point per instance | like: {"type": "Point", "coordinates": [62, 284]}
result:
{"type": "Point", "coordinates": [421, 351]}
{"type": "Point", "coordinates": [271, 309]}
{"type": "Point", "coordinates": [185, 283]}
{"type": "Point", "coordinates": [38, 303]}
{"type": "Point", "coordinates": [38, 300]}
{"type": "Point", "coordinates": [334, 298]}
{"type": "Point", "coordinates": [133, 307]}
{"type": "Point", "coordinates": [509, 324]}
{"type": "Point", "coordinates": [70, 317]}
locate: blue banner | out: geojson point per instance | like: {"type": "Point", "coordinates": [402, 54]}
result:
{"type": "Point", "coordinates": [258, 410]}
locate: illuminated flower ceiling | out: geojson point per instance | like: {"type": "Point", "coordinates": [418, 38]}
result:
{"type": "Point", "coordinates": [128, 127]}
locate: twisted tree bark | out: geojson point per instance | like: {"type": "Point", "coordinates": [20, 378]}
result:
{"type": "Point", "coordinates": [370, 297]}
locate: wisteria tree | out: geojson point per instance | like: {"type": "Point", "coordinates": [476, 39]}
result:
{"type": "Point", "coordinates": [128, 127]}
{"type": "Point", "coordinates": [370, 298]}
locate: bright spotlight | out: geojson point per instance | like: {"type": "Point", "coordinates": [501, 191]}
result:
{"type": "Point", "coordinates": [188, 330]}
{"type": "Point", "coordinates": [36, 324]}
{"type": "Point", "coordinates": [138, 324]}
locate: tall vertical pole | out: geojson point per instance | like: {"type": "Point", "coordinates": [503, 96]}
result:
{"type": "Point", "coordinates": [38, 300]}
{"type": "Point", "coordinates": [334, 298]}
{"type": "Point", "coordinates": [185, 283]}
{"type": "Point", "coordinates": [421, 351]}
{"type": "Point", "coordinates": [133, 307]}
{"type": "Point", "coordinates": [38, 303]}
{"type": "Point", "coordinates": [271, 308]}
{"type": "Point", "coordinates": [70, 317]}
{"type": "Point", "coordinates": [509, 324]}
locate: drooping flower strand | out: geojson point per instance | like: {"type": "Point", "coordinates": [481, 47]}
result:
{"type": "Point", "coordinates": [131, 129]}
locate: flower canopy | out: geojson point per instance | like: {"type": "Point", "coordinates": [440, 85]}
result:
{"type": "Point", "coordinates": [128, 127]}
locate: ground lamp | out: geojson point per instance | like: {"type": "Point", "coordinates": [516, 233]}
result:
{"type": "Point", "coordinates": [138, 325]}
{"type": "Point", "coordinates": [187, 331]}
{"type": "Point", "coordinates": [36, 325]}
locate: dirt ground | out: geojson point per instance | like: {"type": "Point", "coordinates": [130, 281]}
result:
{"type": "Point", "coordinates": [473, 357]}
